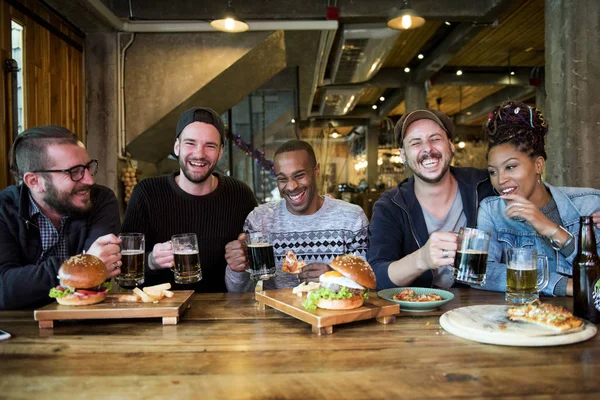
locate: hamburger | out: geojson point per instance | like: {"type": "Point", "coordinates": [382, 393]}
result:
{"type": "Point", "coordinates": [344, 288]}
{"type": "Point", "coordinates": [82, 281]}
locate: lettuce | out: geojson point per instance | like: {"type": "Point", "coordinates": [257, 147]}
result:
{"type": "Point", "coordinates": [323, 293]}
{"type": "Point", "coordinates": [106, 285]}
{"type": "Point", "coordinates": [57, 294]}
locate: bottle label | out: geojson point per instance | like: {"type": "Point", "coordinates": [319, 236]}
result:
{"type": "Point", "coordinates": [596, 294]}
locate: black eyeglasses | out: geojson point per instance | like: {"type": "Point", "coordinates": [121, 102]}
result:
{"type": "Point", "coordinates": [77, 172]}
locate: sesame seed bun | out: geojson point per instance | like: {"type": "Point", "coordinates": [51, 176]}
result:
{"type": "Point", "coordinates": [355, 268]}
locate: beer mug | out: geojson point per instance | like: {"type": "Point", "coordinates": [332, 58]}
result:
{"type": "Point", "coordinates": [186, 257]}
{"type": "Point", "coordinates": [470, 262]}
{"type": "Point", "coordinates": [261, 257]}
{"type": "Point", "coordinates": [523, 280]}
{"type": "Point", "coordinates": [133, 247]}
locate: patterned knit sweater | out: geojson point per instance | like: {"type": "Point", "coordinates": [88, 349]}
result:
{"type": "Point", "coordinates": [337, 228]}
{"type": "Point", "coordinates": [159, 208]}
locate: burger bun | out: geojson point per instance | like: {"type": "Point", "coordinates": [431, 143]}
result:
{"type": "Point", "coordinates": [342, 304]}
{"type": "Point", "coordinates": [355, 268]}
{"type": "Point", "coordinates": [82, 271]}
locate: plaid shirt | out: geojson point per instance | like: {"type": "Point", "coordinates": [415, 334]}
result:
{"type": "Point", "coordinates": [53, 240]}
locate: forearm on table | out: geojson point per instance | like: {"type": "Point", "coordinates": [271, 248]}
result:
{"type": "Point", "coordinates": [405, 271]}
{"type": "Point", "coordinates": [238, 281]}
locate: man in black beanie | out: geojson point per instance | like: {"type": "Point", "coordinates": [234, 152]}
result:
{"type": "Point", "coordinates": [194, 200]}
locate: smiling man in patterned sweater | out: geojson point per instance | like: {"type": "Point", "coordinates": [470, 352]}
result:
{"type": "Point", "coordinates": [316, 228]}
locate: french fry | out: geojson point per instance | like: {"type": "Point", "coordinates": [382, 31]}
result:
{"type": "Point", "coordinates": [146, 298]}
{"type": "Point", "coordinates": [154, 292]}
{"type": "Point", "coordinates": [128, 298]}
{"type": "Point", "coordinates": [162, 286]}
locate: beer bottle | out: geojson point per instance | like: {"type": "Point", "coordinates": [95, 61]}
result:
{"type": "Point", "coordinates": [586, 266]}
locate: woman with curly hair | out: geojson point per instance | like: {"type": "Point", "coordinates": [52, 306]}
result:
{"type": "Point", "coordinates": [527, 211]}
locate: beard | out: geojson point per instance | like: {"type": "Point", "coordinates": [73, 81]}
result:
{"type": "Point", "coordinates": [196, 177]}
{"type": "Point", "coordinates": [414, 167]}
{"type": "Point", "coordinates": [62, 204]}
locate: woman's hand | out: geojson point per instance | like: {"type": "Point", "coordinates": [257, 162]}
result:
{"type": "Point", "coordinates": [519, 207]}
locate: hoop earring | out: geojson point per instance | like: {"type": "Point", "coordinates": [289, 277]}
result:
{"type": "Point", "coordinates": [539, 180]}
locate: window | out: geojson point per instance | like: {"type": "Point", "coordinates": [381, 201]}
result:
{"type": "Point", "coordinates": [17, 54]}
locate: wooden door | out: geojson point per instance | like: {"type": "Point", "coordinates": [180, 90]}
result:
{"type": "Point", "coordinates": [53, 91]}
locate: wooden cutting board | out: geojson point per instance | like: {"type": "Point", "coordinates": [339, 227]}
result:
{"type": "Point", "coordinates": [490, 324]}
{"type": "Point", "coordinates": [322, 321]}
{"type": "Point", "coordinates": [167, 309]}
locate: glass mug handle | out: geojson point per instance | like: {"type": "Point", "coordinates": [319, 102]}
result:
{"type": "Point", "coordinates": [545, 278]}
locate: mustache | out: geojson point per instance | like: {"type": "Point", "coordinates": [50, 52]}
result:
{"type": "Point", "coordinates": [82, 188]}
{"type": "Point", "coordinates": [198, 160]}
{"type": "Point", "coordinates": [431, 154]}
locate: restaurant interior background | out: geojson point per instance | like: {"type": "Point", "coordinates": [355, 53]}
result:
{"type": "Point", "coordinates": [120, 72]}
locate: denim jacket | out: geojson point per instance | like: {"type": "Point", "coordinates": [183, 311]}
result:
{"type": "Point", "coordinates": [571, 202]}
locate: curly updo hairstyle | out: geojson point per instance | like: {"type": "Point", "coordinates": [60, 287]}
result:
{"type": "Point", "coordinates": [516, 123]}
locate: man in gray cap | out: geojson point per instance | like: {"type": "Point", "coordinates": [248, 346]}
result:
{"type": "Point", "coordinates": [194, 200]}
{"type": "Point", "coordinates": [412, 232]}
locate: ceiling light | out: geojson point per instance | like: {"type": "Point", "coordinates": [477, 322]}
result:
{"type": "Point", "coordinates": [335, 135]}
{"type": "Point", "coordinates": [420, 56]}
{"type": "Point", "coordinates": [459, 72]}
{"type": "Point", "coordinates": [229, 22]}
{"type": "Point", "coordinates": [405, 18]}
{"type": "Point", "coordinates": [382, 98]}
{"type": "Point", "coordinates": [512, 72]}
{"type": "Point", "coordinates": [407, 70]}
{"type": "Point", "coordinates": [469, 112]}
{"type": "Point", "coordinates": [293, 121]}
{"type": "Point", "coordinates": [374, 106]}
{"type": "Point", "coordinates": [447, 23]}
{"type": "Point", "coordinates": [461, 145]}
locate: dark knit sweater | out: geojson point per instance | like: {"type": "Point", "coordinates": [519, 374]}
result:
{"type": "Point", "coordinates": [159, 208]}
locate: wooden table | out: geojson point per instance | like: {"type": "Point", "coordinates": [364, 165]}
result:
{"type": "Point", "coordinates": [228, 347]}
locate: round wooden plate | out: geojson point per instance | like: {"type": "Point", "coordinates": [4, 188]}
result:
{"type": "Point", "coordinates": [490, 324]}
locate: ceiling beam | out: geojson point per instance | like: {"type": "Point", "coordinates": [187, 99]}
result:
{"type": "Point", "coordinates": [390, 77]}
{"type": "Point", "coordinates": [464, 10]}
{"type": "Point", "coordinates": [520, 78]}
{"type": "Point", "coordinates": [436, 60]}
{"type": "Point", "coordinates": [391, 101]}
{"type": "Point", "coordinates": [480, 109]}
{"type": "Point", "coordinates": [395, 78]}
{"type": "Point", "coordinates": [444, 52]}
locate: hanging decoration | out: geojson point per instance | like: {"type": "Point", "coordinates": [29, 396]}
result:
{"type": "Point", "coordinates": [257, 154]}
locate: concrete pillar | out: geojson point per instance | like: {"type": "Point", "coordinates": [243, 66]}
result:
{"type": "Point", "coordinates": [540, 96]}
{"type": "Point", "coordinates": [572, 85]}
{"type": "Point", "coordinates": [372, 155]}
{"type": "Point", "coordinates": [415, 96]}
{"type": "Point", "coordinates": [101, 105]}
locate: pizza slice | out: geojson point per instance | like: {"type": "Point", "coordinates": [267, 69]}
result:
{"type": "Point", "coordinates": [291, 265]}
{"type": "Point", "coordinates": [554, 317]}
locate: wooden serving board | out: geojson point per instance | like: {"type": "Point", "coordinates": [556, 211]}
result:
{"type": "Point", "coordinates": [167, 309]}
{"type": "Point", "coordinates": [322, 321]}
{"type": "Point", "coordinates": [490, 324]}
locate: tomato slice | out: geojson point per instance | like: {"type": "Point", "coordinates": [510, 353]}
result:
{"type": "Point", "coordinates": [87, 292]}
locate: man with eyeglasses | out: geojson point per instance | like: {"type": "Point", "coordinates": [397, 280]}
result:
{"type": "Point", "coordinates": [55, 212]}
{"type": "Point", "coordinates": [316, 228]}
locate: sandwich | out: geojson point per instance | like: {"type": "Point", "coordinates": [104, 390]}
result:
{"type": "Point", "coordinates": [82, 281]}
{"type": "Point", "coordinates": [344, 288]}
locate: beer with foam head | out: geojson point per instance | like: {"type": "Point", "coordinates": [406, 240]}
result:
{"type": "Point", "coordinates": [187, 266]}
{"type": "Point", "coordinates": [523, 278]}
{"type": "Point", "coordinates": [133, 246]}
{"type": "Point", "coordinates": [262, 260]}
{"type": "Point", "coordinates": [132, 270]}
{"type": "Point", "coordinates": [186, 258]}
{"type": "Point", "coordinates": [470, 262]}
